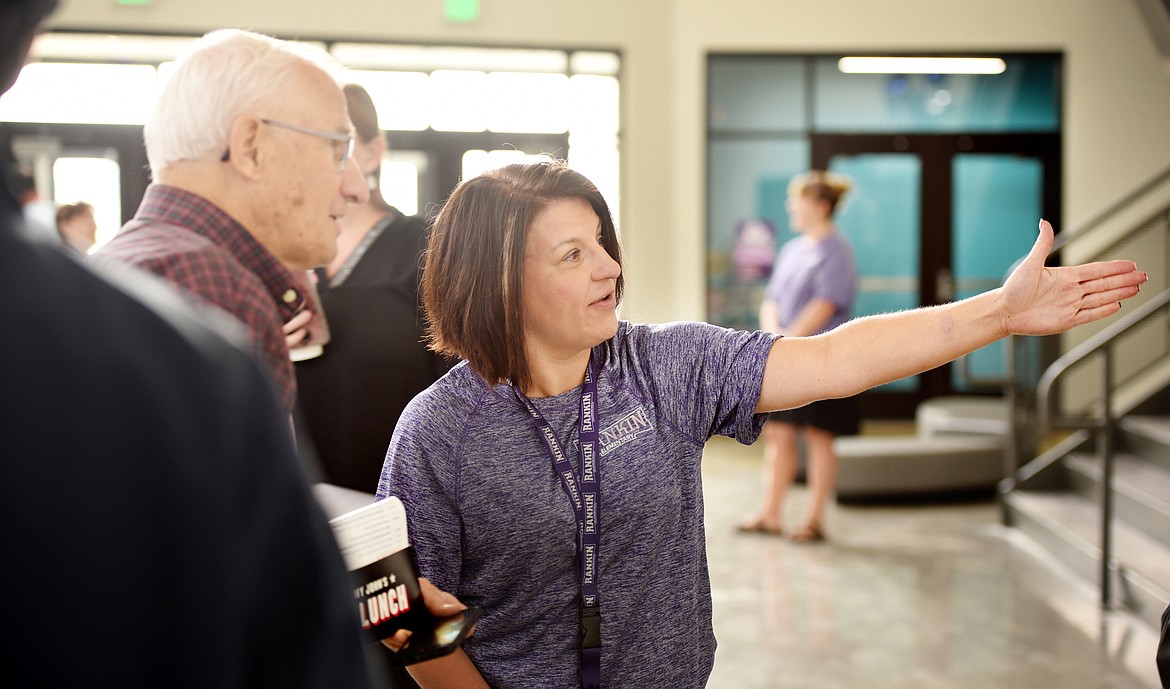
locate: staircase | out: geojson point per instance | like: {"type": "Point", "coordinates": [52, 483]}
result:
{"type": "Point", "coordinates": [1063, 514]}
{"type": "Point", "coordinates": [1098, 498]}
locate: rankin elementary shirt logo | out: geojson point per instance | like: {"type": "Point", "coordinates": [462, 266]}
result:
{"type": "Point", "coordinates": [629, 428]}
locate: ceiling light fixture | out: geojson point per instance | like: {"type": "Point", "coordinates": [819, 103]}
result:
{"type": "Point", "coordinates": [921, 65]}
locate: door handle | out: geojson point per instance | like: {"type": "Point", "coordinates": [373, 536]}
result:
{"type": "Point", "coordinates": [944, 285]}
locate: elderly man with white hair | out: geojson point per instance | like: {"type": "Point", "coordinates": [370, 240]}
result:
{"type": "Point", "coordinates": [249, 144]}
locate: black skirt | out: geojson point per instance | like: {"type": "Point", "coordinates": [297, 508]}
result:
{"type": "Point", "coordinates": [837, 417]}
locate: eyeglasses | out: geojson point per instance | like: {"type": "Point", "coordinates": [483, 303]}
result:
{"type": "Point", "coordinates": [343, 153]}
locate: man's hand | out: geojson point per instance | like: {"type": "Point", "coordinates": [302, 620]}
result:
{"type": "Point", "coordinates": [296, 331]}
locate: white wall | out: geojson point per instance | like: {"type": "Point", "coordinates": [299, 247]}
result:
{"type": "Point", "coordinates": [1117, 96]}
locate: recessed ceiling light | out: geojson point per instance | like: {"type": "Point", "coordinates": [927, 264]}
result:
{"type": "Point", "coordinates": [921, 65]}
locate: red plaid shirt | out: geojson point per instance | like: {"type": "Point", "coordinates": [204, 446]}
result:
{"type": "Point", "coordinates": [189, 241]}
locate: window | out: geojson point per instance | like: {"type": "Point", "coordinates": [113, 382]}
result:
{"type": "Point", "coordinates": [489, 103]}
{"type": "Point", "coordinates": [86, 179]}
{"type": "Point", "coordinates": [80, 93]}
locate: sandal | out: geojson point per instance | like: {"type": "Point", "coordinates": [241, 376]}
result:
{"type": "Point", "coordinates": [812, 532]}
{"type": "Point", "coordinates": [758, 526]}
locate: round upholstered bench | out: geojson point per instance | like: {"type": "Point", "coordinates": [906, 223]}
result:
{"type": "Point", "coordinates": [958, 448]}
{"type": "Point", "coordinates": [962, 414]}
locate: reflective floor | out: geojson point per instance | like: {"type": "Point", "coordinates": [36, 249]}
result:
{"type": "Point", "coordinates": [902, 596]}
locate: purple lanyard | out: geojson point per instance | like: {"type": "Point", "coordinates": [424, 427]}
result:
{"type": "Point", "coordinates": [584, 494]}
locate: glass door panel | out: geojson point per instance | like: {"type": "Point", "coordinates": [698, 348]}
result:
{"type": "Point", "coordinates": [998, 200]}
{"type": "Point", "coordinates": [881, 217]}
{"type": "Point", "coordinates": [747, 182]}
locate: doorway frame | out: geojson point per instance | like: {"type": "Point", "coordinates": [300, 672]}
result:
{"type": "Point", "coordinates": [936, 153]}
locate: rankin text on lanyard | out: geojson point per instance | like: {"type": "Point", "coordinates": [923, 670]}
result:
{"type": "Point", "coordinates": [585, 496]}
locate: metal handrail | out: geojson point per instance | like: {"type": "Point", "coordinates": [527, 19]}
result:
{"type": "Point", "coordinates": [1039, 399]}
{"type": "Point", "coordinates": [1101, 340]}
{"type": "Point", "coordinates": [1066, 236]}
{"type": "Point", "coordinates": [1103, 424]}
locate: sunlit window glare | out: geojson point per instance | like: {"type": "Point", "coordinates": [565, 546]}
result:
{"type": "Point", "coordinates": [479, 162]}
{"type": "Point", "coordinates": [165, 70]}
{"type": "Point", "coordinates": [414, 88]}
{"type": "Point", "coordinates": [402, 99]}
{"type": "Point", "coordinates": [528, 102]}
{"type": "Point", "coordinates": [594, 104]}
{"type": "Point", "coordinates": [95, 181]}
{"type": "Point", "coordinates": [80, 93]}
{"type": "Point", "coordinates": [459, 100]}
{"type": "Point", "coordinates": [586, 62]}
{"type": "Point", "coordinates": [398, 183]}
{"type": "Point", "coordinates": [61, 47]}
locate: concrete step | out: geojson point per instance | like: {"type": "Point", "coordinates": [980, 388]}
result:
{"type": "Point", "coordinates": [1147, 437]}
{"type": "Point", "coordinates": [963, 414]}
{"type": "Point", "coordinates": [1069, 526]}
{"type": "Point", "coordinates": [1141, 491]}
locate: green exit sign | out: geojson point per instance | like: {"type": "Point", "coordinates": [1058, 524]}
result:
{"type": "Point", "coordinates": [461, 11]}
{"type": "Point", "coordinates": [134, 2]}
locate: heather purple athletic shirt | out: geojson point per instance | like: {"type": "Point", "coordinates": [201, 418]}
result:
{"type": "Point", "coordinates": [805, 271]}
{"type": "Point", "coordinates": [492, 524]}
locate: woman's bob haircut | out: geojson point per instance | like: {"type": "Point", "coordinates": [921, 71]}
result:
{"type": "Point", "coordinates": [473, 280]}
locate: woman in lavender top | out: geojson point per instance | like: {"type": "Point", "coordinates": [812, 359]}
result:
{"type": "Point", "coordinates": [811, 291]}
{"type": "Point", "coordinates": [552, 477]}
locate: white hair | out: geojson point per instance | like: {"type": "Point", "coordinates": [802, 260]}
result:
{"type": "Point", "coordinates": [226, 73]}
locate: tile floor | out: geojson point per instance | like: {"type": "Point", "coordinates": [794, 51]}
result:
{"type": "Point", "coordinates": [936, 596]}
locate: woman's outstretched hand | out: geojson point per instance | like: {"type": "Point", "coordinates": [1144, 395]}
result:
{"type": "Point", "coordinates": [1038, 300]}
